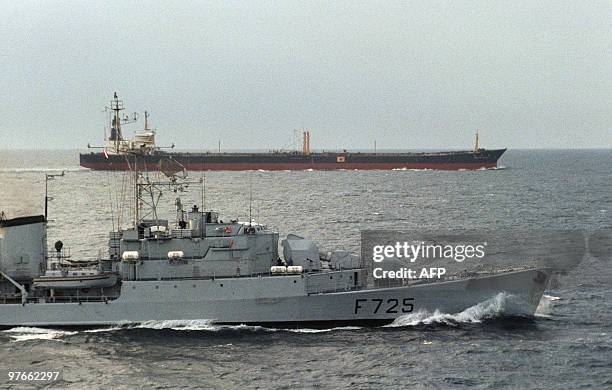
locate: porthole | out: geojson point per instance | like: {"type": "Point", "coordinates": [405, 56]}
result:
{"type": "Point", "coordinates": [157, 287]}
{"type": "Point", "coordinates": [175, 286]}
{"type": "Point", "coordinates": [221, 285]}
{"type": "Point", "coordinates": [331, 277]}
{"type": "Point", "coordinates": [194, 286]}
{"type": "Point", "coordinates": [295, 281]}
{"type": "Point", "coordinates": [133, 287]}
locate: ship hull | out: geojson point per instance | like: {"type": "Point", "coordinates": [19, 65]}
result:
{"type": "Point", "coordinates": [282, 301]}
{"type": "Point", "coordinates": [468, 160]}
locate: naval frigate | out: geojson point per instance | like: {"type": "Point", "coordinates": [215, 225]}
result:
{"type": "Point", "coordinates": [195, 266]}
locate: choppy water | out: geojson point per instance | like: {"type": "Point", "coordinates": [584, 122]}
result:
{"type": "Point", "coordinates": [567, 345]}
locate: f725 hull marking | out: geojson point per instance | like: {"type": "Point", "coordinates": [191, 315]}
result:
{"type": "Point", "coordinates": [379, 305]}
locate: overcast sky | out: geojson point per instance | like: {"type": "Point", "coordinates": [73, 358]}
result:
{"type": "Point", "coordinates": [528, 74]}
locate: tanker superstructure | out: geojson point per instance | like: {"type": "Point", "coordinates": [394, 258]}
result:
{"type": "Point", "coordinates": [114, 155]}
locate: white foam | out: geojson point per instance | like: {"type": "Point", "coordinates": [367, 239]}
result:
{"type": "Point", "coordinates": [412, 169]}
{"type": "Point", "coordinates": [177, 325]}
{"type": "Point", "coordinates": [308, 330]}
{"type": "Point", "coordinates": [27, 333]}
{"type": "Point", "coordinates": [545, 307]}
{"type": "Point", "coordinates": [208, 325]}
{"type": "Point", "coordinates": [204, 324]}
{"type": "Point", "coordinates": [491, 308]}
{"type": "Point", "coordinates": [492, 168]}
{"type": "Point", "coordinates": [98, 330]}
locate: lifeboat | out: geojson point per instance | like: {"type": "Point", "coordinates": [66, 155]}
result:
{"type": "Point", "coordinates": [77, 278]}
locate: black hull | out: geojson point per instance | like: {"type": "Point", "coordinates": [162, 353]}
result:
{"type": "Point", "coordinates": [295, 161]}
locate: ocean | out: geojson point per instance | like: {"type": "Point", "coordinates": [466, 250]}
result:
{"type": "Point", "coordinates": [568, 344]}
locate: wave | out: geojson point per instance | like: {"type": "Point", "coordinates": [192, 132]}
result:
{"type": "Point", "coordinates": [192, 325]}
{"type": "Point", "coordinates": [23, 333]}
{"type": "Point", "coordinates": [498, 306]}
{"type": "Point", "coordinates": [109, 329]}
{"type": "Point", "coordinates": [501, 167]}
{"type": "Point", "coordinates": [176, 325]}
{"type": "Point", "coordinates": [31, 333]}
{"type": "Point", "coordinates": [308, 330]}
{"type": "Point", "coordinates": [208, 325]}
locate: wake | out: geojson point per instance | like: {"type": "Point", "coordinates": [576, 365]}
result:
{"type": "Point", "coordinates": [499, 306]}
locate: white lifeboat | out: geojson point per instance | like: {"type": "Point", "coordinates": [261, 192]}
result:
{"type": "Point", "coordinates": [278, 269]}
{"type": "Point", "coordinates": [77, 278]}
{"type": "Point", "coordinates": [175, 255]}
{"type": "Point", "coordinates": [130, 255]}
{"type": "Point", "coordinates": [295, 269]}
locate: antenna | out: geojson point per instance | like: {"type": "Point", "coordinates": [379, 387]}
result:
{"type": "Point", "coordinates": [203, 211]}
{"type": "Point", "coordinates": [250, 199]}
{"type": "Point", "coordinates": [203, 192]}
{"type": "Point", "coordinates": [49, 177]}
{"type": "Point", "coordinates": [136, 193]}
{"type": "Point", "coordinates": [110, 197]}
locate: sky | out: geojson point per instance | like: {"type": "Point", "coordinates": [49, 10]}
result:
{"type": "Point", "coordinates": [406, 74]}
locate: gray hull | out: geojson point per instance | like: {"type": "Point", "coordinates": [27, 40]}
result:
{"type": "Point", "coordinates": [281, 301]}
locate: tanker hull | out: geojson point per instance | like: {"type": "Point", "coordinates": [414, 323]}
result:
{"type": "Point", "coordinates": [468, 160]}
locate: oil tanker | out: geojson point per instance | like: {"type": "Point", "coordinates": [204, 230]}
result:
{"type": "Point", "coordinates": [120, 153]}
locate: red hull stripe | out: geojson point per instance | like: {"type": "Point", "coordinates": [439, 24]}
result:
{"type": "Point", "coordinates": [298, 166]}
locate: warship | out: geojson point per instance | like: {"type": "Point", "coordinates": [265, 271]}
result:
{"type": "Point", "coordinates": [116, 152]}
{"type": "Point", "coordinates": [195, 266]}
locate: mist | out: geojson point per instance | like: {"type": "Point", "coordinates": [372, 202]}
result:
{"type": "Point", "coordinates": [405, 74]}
